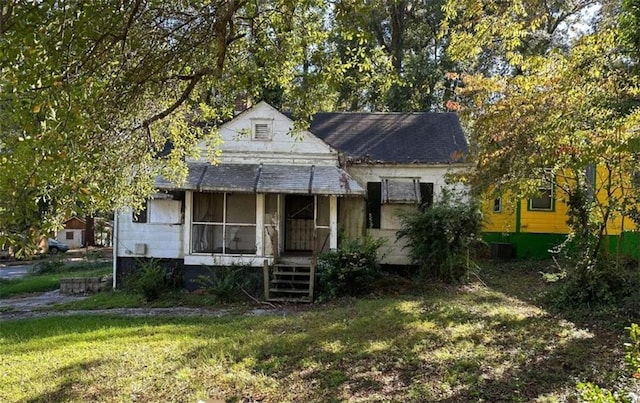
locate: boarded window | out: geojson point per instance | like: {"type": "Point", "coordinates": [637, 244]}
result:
{"type": "Point", "coordinates": [400, 191]}
{"type": "Point", "coordinates": [164, 211]}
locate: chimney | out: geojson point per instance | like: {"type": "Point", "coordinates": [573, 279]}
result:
{"type": "Point", "coordinates": [242, 104]}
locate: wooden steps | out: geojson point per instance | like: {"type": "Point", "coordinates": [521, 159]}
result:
{"type": "Point", "coordinates": [289, 281]}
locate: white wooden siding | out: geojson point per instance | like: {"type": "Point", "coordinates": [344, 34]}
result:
{"type": "Point", "coordinates": [393, 250]}
{"type": "Point", "coordinates": [161, 240]}
{"type": "Point", "coordinates": [74, 243]}
{"type": "Point", "coordinates": [284, 146]}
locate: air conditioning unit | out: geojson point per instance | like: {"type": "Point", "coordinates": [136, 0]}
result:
{"type": "Point", "coordinates": [140, 249]}
{"type": "Point", "coordinates": [502, 251]}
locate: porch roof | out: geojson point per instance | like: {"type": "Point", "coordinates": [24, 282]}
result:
{"type": "Point", "coordinates": [259, 178]}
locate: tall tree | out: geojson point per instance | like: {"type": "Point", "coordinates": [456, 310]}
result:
{"type": "Point", "coordinates": [551, 113]}
{"type": "Point", "coordinates": [629, 18]}
{"type": "Point", "coordinates": [90, 92]}
{"type": "Point", "coordinates": [492, 38]}
{"type": "Point", "coordinates": [398, 55]}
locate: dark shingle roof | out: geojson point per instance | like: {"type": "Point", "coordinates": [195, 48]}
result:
{"type": "Point", "coordinates": [428, 137]}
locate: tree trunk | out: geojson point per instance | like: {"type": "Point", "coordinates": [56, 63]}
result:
{"type": "Point", "coordinates": [89, 231]}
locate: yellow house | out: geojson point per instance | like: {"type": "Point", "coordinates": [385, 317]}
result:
{"type": "Point", "coordinates": [534, 227]}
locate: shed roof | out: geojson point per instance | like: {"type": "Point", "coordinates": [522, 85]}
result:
{"type": "Point", "coordinates": [259, 178]}
{"type": "Point", "coordinates": [400, 138]}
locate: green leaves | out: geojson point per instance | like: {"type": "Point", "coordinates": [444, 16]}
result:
{"type": "Point", "coordinates": [569, 106]}
{"type": "Point", "coordinates": [90, 92]}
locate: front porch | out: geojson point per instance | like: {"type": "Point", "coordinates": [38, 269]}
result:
{"type": "Point", "coordinates": [283, 233]}
{"type": "Point", "coordinates": [224, 228]}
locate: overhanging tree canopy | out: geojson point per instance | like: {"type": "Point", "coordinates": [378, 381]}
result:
{"type": "Point", "coordinates": [91, 91]}
{"type": "Point", "coordinates": [563, 109]}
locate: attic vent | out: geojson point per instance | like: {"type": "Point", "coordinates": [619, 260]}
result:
{"type": "Point", "coordinates": [262, 131]}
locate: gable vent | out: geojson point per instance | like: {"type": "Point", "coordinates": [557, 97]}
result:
{"type": "Point", "coordinates": [262, 131]}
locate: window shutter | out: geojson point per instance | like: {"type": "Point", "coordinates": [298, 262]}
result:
{"type": "Point", "coordinates": [374, 190]}
{"type": "Point", "coordinates": [426, 195]}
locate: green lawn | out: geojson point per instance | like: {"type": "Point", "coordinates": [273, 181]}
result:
{"type": "Point", "coordinates": [51, 280]}
{"type": "Point", "coordinates": [485, 341]}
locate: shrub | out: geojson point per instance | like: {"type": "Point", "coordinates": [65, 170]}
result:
{"type": "Point", "coordinates": [226, 283]}
{"type": "Point", "coordinates": [629, 389]}
{"type": "Point", "coordinates": [603, 283]}
{"type": "Point", "coordinates": [47, 267]}
{"type": "Point", "coordinates": [349, 270]}
{"type": "Point", "coordinates": [439, 238]}
{"type": "Point", "coordinates": [149, 279]}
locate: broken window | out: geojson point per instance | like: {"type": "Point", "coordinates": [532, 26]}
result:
{"type": "Point", "coordinates": [392, 192]}
{"type": "Point", "coordinates": [400, 191]}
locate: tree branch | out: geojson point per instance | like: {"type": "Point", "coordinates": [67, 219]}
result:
{"type": "Point", "coordinates": [193, 81]}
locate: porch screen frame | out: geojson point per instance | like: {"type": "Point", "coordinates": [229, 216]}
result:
{"type": "Point", "coordinates": [225, 225]}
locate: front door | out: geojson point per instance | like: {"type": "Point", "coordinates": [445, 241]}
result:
{"type": "Point", "coordinates": [299, 223]}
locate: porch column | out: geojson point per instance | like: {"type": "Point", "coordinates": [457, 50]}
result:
{"type": "Point", "coordinates": [188, 214]}
{"type": "Point", "coordinates": [333, 222]}
{"type": "Point", "coordinates": [259, 224]}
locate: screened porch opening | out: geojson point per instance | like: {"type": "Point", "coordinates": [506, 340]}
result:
{"type": "Point", "coordinates": [299, 223]}
{"type": "Point", "coordinates": [224, 223]}
{"type": "Point", "coordinates": [304, 216]}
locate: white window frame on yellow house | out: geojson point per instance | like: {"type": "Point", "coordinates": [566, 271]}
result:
{"type": "Point", "coordinates": [548, 187]}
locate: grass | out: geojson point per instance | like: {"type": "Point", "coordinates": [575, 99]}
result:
{"type": "Point", "coordinates": [484, 341]}
{"type": "Point", "coordinates": [50, 278]}
{"type": "Point", "coordinates": [127, 299]}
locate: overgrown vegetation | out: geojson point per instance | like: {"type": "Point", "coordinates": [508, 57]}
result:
{"type": "Point", "coordinates": [590, 274]}
{"type": "Point", "coordinates": [575, 131]}
{"type": "Point", "coordinates": [604, 284]}
{"type": "Point", "coordinates": [151, 278]}
{"type": "Point", "coordinates": [48, 266]}
{"type": "Point", "coordinates": [229, 283]}
{"type": "Point", "coordinates": [440, 238]}
{"type": "Point", "coordinates": [474, 342]}
{"type": "Point", "coordinates": [349, 270]}
{"type": "Point", "coordinates": [628, 388]}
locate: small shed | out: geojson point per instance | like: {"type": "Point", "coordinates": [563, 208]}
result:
{"type": "Point", "coordinates": [73, 233]}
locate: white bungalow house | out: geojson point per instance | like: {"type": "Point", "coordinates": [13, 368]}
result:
{"type": "Point", "coordinates": [277, 200]}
